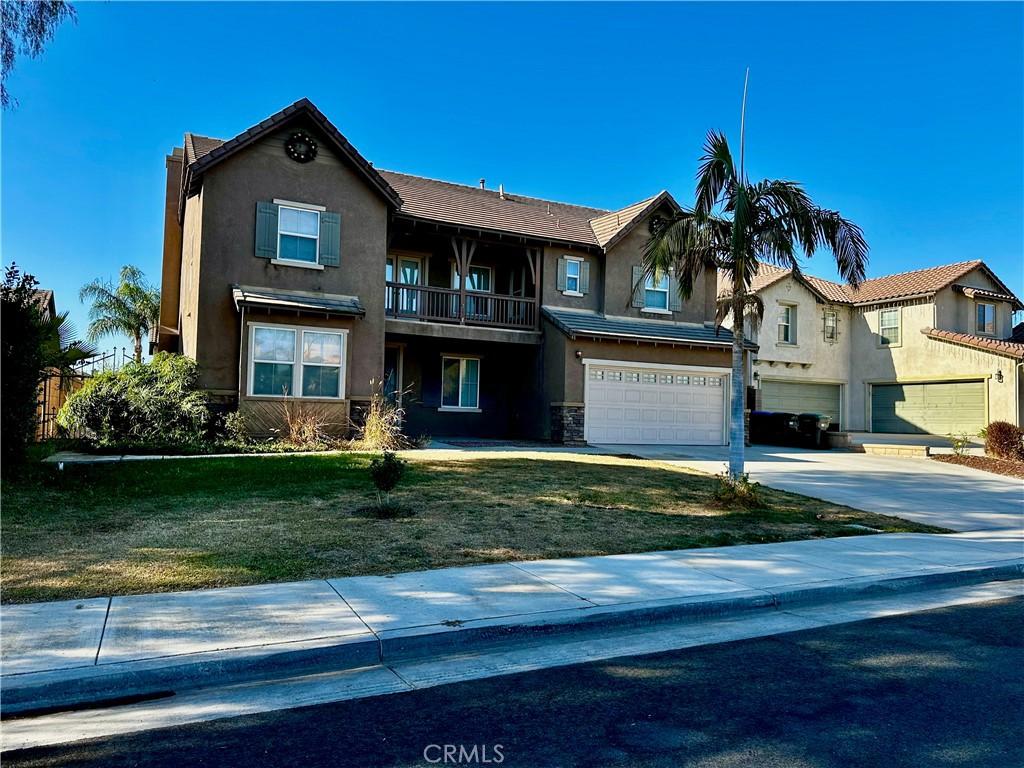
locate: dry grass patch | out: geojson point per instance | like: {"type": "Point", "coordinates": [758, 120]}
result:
{"type": "Point", "coordinates": [169, 525]}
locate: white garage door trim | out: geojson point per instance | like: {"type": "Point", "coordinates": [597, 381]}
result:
{"type": "Point", "coordinates": [724, 373]}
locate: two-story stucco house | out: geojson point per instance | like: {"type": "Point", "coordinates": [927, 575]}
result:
{"type": "Point", "coordinates": [930, 351]}
{"type": "Point", "coordinates": [294, 270]}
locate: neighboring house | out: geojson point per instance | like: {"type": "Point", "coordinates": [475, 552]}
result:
{"type": "Point", "coordinates": [294, 269]}
{"type": "Point", "coordinates": [930, 351]}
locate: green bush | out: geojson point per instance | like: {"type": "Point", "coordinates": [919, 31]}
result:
{"type": "Point", "coordinates": [21, 363]}
{"type": "Point", "coordinates": [386, 471]}
{"type": "Point", "coordinates": [1004, 440]}
{"type": "Point", "coordinates": [154, 403]}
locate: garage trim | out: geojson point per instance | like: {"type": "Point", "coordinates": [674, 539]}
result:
{"type": "Point", "coordinates": [725, 373]}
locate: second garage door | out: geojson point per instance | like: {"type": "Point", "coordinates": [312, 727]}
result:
{"type": "Point", "coordinates": [936, 408]}
{"type": "Point", "coordinates": [801, 397]}
{"type": "Point", "coordinates": [638, 406]}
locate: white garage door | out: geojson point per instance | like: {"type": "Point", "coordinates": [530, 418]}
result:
{"type": "Point", "coordinates": [638, 406]}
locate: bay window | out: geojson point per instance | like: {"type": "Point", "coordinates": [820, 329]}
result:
{"type": "Point", "coordinates": [296, 362]}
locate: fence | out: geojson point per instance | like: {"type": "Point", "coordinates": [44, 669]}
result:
{"type": "Point", "coordinates": [56, 386]}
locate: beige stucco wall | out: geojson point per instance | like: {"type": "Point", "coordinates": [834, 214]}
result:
{"type": "Point", "coordinates": [170, 276]}
{"type": "Point", "coordinates": [191, 249]}
{"type": "Point", "coordinates": [918, 359]}
{"type": "Point", "coordinates": [228, 214]}
{"type": "Point", "coordinates": [956, 312]}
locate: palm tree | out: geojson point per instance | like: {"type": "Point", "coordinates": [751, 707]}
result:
{"type": "Point", "coordinates": [61, 350]}
{"type": "Point", "coordinates": [734, 227]}
{"type": "Point", "coordinates": [131, 308]}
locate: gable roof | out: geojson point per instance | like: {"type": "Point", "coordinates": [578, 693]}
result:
{"type": "Point", "coordinates": [904, 285]}
{"type": "Point", "coordinates": [489, 209]}
{"type": "Point", "coordinates": [203, 152]}
{"type": "Point", "coordinates": [614, 226]}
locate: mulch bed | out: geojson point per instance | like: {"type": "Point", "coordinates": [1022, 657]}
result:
{"type": "Point", "coordinates": [1005, 467]}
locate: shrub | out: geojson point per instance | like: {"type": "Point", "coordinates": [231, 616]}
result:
{"type": "Point", "coordinates": [307, 426]}
{"type": "Point", "coordinates": [155, 403]}
{"type": "Point", "coordinates": [382, 429]}
{"type": "Point", "coordinates": [1004, 441]}
{"type": "Point", "coordinates": [386, 471]}
{"type": "Point", "coordinates": [960, 442]}
{"type": "Point", "coordinates": [235, 427]}
{"type": "Point", "coordinates": [739, 492]}
{"type": "Point", "coordinates": [21, 363]}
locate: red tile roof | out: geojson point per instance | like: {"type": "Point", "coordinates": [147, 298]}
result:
{"type": "Point", "coordinates": [998, 346]}
{"type": "Point", "coordinates": [920, 282]}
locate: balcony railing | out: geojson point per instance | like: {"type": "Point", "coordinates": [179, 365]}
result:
{"type": "Point", "coordinates": [445, 305]}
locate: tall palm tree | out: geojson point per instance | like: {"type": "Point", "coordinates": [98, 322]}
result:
{"type": "Point", "coordinates": [734, 226]}
{"type": "Point", "coordinates": [61, 350]}
{"type": "Point", "coordinates": [131, 307]}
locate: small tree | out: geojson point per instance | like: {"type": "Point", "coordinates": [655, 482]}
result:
{"type": "Point", "coordinates": [132, 307]}
{"type": "Point", "coordinates": [386, 471]}
{"type": "Point", "coordinates": [22, 362]}
{"type": "Point", "coordinates": [27, 26]}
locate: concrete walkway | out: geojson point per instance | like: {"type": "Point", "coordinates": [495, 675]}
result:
{"type": "Point", "coordinates": [928, 491]}
{"type": "Point", "coordinates": [82, 649]}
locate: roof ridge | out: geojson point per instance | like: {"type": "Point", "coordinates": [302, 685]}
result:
{"type": "Point", "coordinates": [471, 187]}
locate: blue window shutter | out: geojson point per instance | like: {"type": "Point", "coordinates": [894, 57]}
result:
{"type": "Point", "coordinates": [675, 301]}
{"type": "Point", "coordinates": [585, 277]}
{"type": "Point", "coordinates": [638, 286]}
{"type": "Point", "coordinates": [266, 230]}
{"type": "Point", "coordinates": [330, 239]}
{"type": "Point", "coordinates": [561, 274]}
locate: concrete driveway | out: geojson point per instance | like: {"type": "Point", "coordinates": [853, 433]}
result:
{"type": "Point", "coordinates": [924, 490]}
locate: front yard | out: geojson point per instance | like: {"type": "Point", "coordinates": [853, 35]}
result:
{"type": "Point", "coordinates": [149, 526]}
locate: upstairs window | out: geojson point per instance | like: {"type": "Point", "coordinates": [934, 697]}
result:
{"type": "Point", "coordinates": [298, 234]}
{"type": "Point", "coordinates": [889, 326]}
{"type": "Point", "coordinates": [656, 292]}
{"type": "Point", "coordinates": [787, 324]}
{"type": "Point", "coordinates": [986, 318]}
{"type": "Point", "coordinates": [572, 276]}
{"type": "Point", "coordinates": [831, 325]}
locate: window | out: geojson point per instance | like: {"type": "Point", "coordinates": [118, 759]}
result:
{"type": "Point", "coordinates": [298, 234]}
{"type": "Point", "coordinates": [656, 292]}
{"type": "Point", "coordinates": [573, 268]}
{"type": "Point", "coordinates": [408, 274]}
{"type": "Point", "coordinates": [889, 326]}
{"type": "Point", "coordinates": [479, 279]}
{"type": "Point", "coordinates": [787, 324]}
{"type": "Point", "coordinates": [831, 325]}
{"type": "Point", "coordinates": [460, 382]}
{"type": "Point", "coordinates": [286, 361]}
{"type": "Point", "coordinates": [650, 378]}
{"type": "Point", "coordinates": [986, 318]}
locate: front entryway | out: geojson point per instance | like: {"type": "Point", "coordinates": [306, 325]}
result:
{"type": "Point", "coordinates": [934, 408]}
{"type": "Point", "coordinates": [654, 406]}
{"type": "Point", "coordinates": [801, 397]}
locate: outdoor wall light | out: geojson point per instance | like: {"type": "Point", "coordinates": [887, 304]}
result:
{"type": "Point", "coordinates": [999, 375]}
{"type": "Point", "coordinates": [579, 356]}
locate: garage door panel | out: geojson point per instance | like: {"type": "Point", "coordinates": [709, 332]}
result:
{"type": "Point", "coordinates": [802, 397]}
{"type": "Point", "coordinates": [938, 408]}
{"type": "Point", "coordinates": [656, 407]}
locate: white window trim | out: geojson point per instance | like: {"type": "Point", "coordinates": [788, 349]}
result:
{"type": "Point", "coordinates": [790, 325]}
{"type": "Point", "coordinates": [666, 290]}
{"type": "Point", "coordinates": [995, 310]}
{"type": "Point", "coordinates": [490, 278]}
{"type": "Point", "coordinates": [462, 369]}
{"type": "Point", "coordinates": [302, 206]}
{"type": "Point", "coordinates": [579, 276]}
{"type": "Point", "coordinates": [305, 209]}
{"type": "Point", "coordinates": [297, 363]}
{"type": "Point", "coordinates": [899, 327]}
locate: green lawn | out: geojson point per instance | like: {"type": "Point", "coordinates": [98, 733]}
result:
{"type": "Point", "coordinates": [168, 525]}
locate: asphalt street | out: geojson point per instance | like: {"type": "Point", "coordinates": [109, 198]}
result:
{"type": "Point", "coordinates": [940, 688]}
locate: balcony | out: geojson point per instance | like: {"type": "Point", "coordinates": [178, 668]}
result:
{"type": "Point", "coordinates": [463, 307]}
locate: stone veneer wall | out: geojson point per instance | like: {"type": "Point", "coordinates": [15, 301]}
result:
{"type": "Point", "coordinates": [567, 423]}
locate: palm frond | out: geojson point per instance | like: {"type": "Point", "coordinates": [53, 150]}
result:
{"type": "Point", "coordinates": [846, 241]}
{"type": "Point", "coordinates": [753, 310]}
{"type": "Point", "coordinates": [716, 174]}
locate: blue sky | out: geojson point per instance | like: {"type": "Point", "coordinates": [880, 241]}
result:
{"type": "Point", "coordinates": [907, 118]}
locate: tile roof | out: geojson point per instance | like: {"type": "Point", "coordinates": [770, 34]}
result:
{"type": "Point", "coordinates": [615, 225]}
{"type": "Point", "coordinates": [574, 322]}
{"type": "Point", "coordinates": [469, 206]}
{"type": "Point", "coordinates": [197, 146]}
{"type": "Point", "coordinates": [276, 298]}
{"type": "Point", "coordinates": [1008, 348]}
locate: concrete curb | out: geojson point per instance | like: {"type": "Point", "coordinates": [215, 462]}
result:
{"type": "Point", "coordinates": [83, 686]}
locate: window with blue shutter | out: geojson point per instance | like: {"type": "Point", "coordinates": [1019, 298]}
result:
{"type": "Point", "coordinates": [309, 235]}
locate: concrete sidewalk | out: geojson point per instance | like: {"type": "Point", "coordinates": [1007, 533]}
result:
{"type": "Point", "coordinates": [63, 653]}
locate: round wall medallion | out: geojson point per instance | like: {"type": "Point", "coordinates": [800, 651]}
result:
{"type": "Point", "coordinates": [301, 147]}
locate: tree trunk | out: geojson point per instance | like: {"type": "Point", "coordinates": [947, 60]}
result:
{"type": "Point", "coordinates": [737, 432]}
{"type": "Point", "coordinates": [138, 347]}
